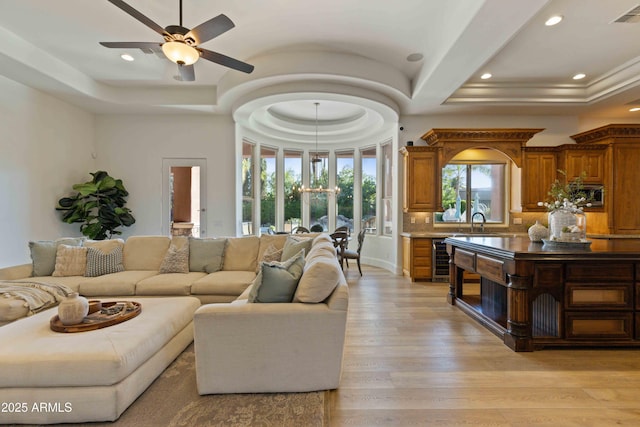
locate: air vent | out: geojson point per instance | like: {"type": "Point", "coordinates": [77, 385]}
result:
{"type": "Point", "coordinates": [631, 17]}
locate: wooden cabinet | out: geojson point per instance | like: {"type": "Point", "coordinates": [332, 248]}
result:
{"type": "Point", "coordinates": [539, 171]}
{"type": "Point", "coordinates": [620, 147]}
{"type": "Point", "coordinates": [587, 159]}
{"type": "Point", "coordinates": [417, 258]}
{"type": "Point", "coordinates": [533, 298]}
{"type": "Point", "coordinates": [420, 179]}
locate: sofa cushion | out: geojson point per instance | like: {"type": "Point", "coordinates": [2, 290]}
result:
{"type": "Point", "coordinates": [70, 261]}
{"type": "Point", "coordinates": [320, 278]}
{"type": "Point", "coordinates": [145, 252]}
{"type": "Point", "coordinates": [43, 253]}
{"type": "Point", "coordinates": [223, 283]}
{"type": "Point", "coordinates": [277, 281]}
{"type": "Point", "coordinates": [321, 249]}
{"type": "Point", "coordinates": [206, 255]}
{"type": "Point", "coordinates": [176, 260]}
{"type": "Point", "coordinates": [295, 244]}
{"type": "Point", "coordinates": [100, 263]}
{"type": "Point", "coordinates": [168, 284]}
{"type": "Point", "coordinates": [104, 245]}
{"type": "Point", "coordinates": [120, 284]}
{"type": "Point", "coordinates": [241, 254]}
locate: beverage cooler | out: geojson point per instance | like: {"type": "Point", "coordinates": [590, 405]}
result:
{"type": "Point", "coordinates": [440, 261]}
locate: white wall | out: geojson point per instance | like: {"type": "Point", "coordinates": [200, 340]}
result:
{"type": "Point", "coordinates": [131, 147]}
{"type": "Point", "coordinates": [45, 148]}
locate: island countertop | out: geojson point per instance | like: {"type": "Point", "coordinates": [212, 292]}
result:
{"type": "Point", "coordinates": [534, 295]}
{"type": "Point", "coordinates": [522, 248]}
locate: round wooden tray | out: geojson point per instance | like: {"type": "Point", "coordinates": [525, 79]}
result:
{"type": "Point", "coordinates": [101, 318]}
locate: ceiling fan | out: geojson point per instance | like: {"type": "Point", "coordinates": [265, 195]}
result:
{"type": "Point", "coordinates": [181, 45]}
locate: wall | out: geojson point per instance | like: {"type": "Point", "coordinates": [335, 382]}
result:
{"type": "Point", "coordinates": [131, 147]}
{"type": "Point", "coordinates": [45, 148]}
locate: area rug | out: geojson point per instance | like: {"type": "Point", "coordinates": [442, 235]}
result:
{"type": "Point", "coordinates": [172, 400]}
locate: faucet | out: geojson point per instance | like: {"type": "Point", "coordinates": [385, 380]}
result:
{"type": "Point", "coordinates": [484, 220]}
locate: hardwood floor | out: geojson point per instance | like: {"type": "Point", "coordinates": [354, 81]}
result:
{"type": "Point", "coordinates": [411, 359]}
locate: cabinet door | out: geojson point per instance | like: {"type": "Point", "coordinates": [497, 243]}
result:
{"type": "Point", "coordinates": [421, 259]}
{"type": "Point", "coordinates": [626, 203]}
{"type": "Point", "coordinates": [420, 181]}
{"type": "Point", "coordinates": [590, 162]}
{"type": "Point", "coordinates": [539, 171]}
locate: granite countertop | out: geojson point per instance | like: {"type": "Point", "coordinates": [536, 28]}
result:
{"type": "Point", "coordinates": [444, 234]}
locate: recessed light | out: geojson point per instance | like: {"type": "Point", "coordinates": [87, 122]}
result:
{"type": "Point", "coordinates": [415, 57]}
{"type": "Point", "coordinates": [579, 76]}
{"type": "Point", "coordinates": [126, 57]}
{"type": "Point", "coordinates": [486, 76]}
{"type": "Point", "coordinates": [634, 109]}
{"type": "Point", "coordinates": [555, 19]}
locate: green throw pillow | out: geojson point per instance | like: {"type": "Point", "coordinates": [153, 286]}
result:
{"type": "Point", "coordinates": [294, 244]}
{"type": "Point", "coordinates": [43, 254]}
{"type": "Point", "coordinates": [277, 281]}
{"type": "Point", "coordinates": [206, 255]}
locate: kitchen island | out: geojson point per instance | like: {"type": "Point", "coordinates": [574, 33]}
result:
{"type": "Point", "coordinates": [534, 295]}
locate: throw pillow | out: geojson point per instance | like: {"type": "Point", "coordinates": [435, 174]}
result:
{"type": "Point", "coordinates": [70, 261]}
{"type": "Point", "coordinates": [206, 255]}
{"type": "Point", "coordinates": [277, 281]}
{"type": "Point", "coordinates": [271, 254]}
{"type": "Point", "coordinates": [320, 279]}
{"type": "Point", "coordinates": [43, 254]}
{"type": "Point", "coordinates": [99, 262]}
{"type": "Point", "coordinates": [295, 244]}
{"type": "Point", "coordinates": [176, 260]}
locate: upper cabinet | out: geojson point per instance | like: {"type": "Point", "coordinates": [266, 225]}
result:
{"type": "Point", "coordinates": [539, 171]}
{"type": "Point", "coordinates": [576, 159]}
{"type": "Point", "coordinates": [420, 166]}
{"type": "Point", "coordinates": [620, 148]}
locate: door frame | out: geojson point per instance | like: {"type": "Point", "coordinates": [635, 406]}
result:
{"type": "Point", "coordinates": [167, 164]}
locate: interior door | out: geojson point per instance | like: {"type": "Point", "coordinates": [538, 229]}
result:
{"type": "Point", "coordinates": [184, 197]}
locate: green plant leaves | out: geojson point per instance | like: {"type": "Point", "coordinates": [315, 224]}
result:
{"type": "Point", "coordinates": [99, 206]}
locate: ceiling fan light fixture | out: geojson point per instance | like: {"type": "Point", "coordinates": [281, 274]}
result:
{"type": "Point", "coordinates": [180, 52]}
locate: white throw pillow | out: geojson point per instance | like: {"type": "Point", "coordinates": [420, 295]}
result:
{"type": "Point", "coordinates": [70, 261]}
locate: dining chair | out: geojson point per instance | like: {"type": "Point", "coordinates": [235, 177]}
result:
{"type": "Point", "coordinates": [343, 228]}
{"type": "Point", "coordinates": [300, 230]}
{"type": "Point", "coordinates": [340, 242]}
{"type": "Point", "coordinates": [349, 254]}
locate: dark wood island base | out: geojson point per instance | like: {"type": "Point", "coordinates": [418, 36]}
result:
{"type": "Point", "coordinates": [534, 297]}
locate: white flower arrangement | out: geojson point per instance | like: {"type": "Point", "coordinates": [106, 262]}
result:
{"type": "Point", "coordinates": [569, 195]}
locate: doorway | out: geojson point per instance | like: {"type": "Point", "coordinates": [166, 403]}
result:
{"type": "Point", "coordinates": [184, 197]}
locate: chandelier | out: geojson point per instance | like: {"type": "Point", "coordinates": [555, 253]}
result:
{"type": "Point", "coordinates": [316, 169]}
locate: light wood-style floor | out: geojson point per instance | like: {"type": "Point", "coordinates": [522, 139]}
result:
{"type": "Point", "coordinates": [413, 360]}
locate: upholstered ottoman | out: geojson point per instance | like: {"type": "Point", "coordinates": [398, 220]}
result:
{"type": "Point", "coordinates": [50, 377]}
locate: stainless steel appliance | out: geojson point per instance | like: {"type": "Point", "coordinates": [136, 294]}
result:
{"type": "Point", "coordinates": [440, 261]}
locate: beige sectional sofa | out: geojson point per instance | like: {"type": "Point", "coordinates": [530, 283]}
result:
{"type": "Point", "coordinates": [142, 258]}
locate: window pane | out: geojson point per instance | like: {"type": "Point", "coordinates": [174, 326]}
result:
{"type": "Point", "coordinates": [387, 186]}
{"type": "Point", "coordinates": [344, 180]}
{"type": "Point", "coordinates": [318, 202]}
{"type": "Point", "coordinates": [247, 188]}
{"type": "Point", "coordinates": [369, 190]}
{"type": "Point", "coordinates": [267, 189]}
{"type": "Point", "coordinates": [487, 191]}
{"type": "Point", "coordinates": [454, 189]}
{"type": "Point", "coordinates": [292, 197]}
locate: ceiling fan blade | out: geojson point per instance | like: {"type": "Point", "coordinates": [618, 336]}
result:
{"type": "Point", "coordinates": [132, 45]}
{"type": "Point", "coordinates": [139, 16]}
{"type": "Point", "coordinates": [187, 73]}
{"type": "Point", "coordinates": [210, 29]}
{"type": "Point", "coordinates": [221, 59]}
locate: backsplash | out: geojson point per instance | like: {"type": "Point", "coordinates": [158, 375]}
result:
{"type": "Point", "coordinates": [421, 226]}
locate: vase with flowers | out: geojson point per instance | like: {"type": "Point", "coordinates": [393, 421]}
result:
{"type": "Point", "coordinates": [565, 204]}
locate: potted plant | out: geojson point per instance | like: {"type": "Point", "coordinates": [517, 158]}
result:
{"type": "Point", "coordinates": [99, 206]}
